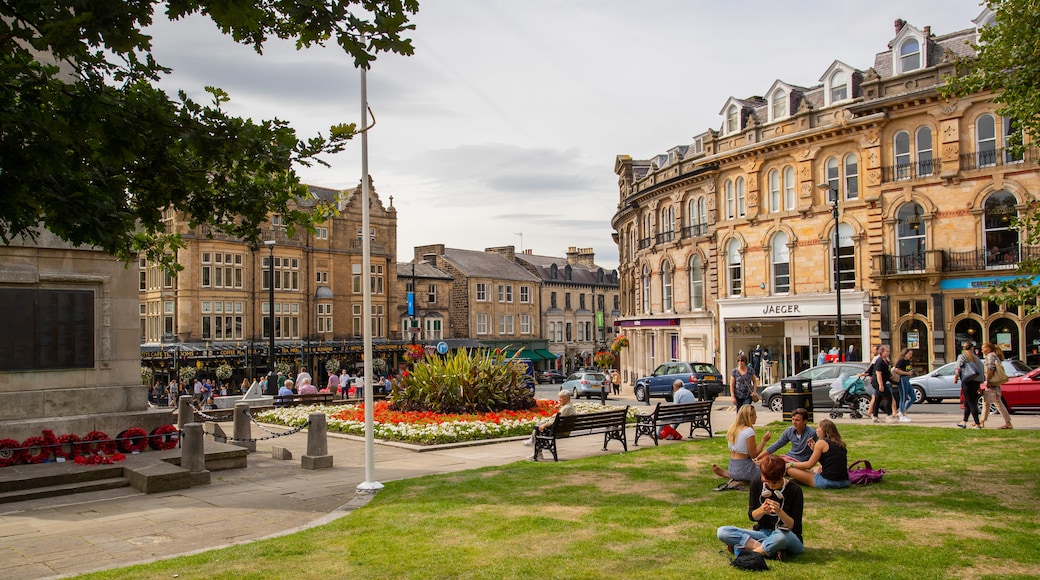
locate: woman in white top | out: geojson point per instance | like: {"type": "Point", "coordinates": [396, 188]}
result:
{"type": "Point", "coordinates": [742, 447]}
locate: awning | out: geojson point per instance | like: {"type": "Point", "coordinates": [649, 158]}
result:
{"type": "Point", "coordinates": [547, 355]}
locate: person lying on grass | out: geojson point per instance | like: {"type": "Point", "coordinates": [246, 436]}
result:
{"type": "Point", "coordinates": [828, 468]}
{"type": "Point", "coordinates": [775, 504]}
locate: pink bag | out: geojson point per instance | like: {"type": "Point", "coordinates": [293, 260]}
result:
{"type": "Point", "coordinates": [865, 474]}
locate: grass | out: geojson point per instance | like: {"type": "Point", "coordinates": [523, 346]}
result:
{"type": "Point", "coordinates": [953, 504]}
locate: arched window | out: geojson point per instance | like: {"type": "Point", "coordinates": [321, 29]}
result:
{"type": "Point", "coordinates": [774, 191]}
{"type": "Point", "coordinates": [696, 283]}
{"type": "Point", "coordinates": [1003, 332]}
{"type": "Point", "coordinates": [839, 86]}
{"type": "Point", "coordinates": [910, 238]}
{"type": "Point", "coordinates": [702, 214]}
{"type": "Point", "coordinates": [781, 262]}
{"type": "Point", "coordinates": [909, 56]}
{"type": "Point", "coordinates": [789, 188]}
{"type": "Point", "coordinates": [846, 258]}
{"type": "Point", "coordinates": [732, 120]}
{"type": "Point", "coordinates": [667, 224]}
{"type": "Point", "coordinates": [833, 177]}
{"type": "Point", "coordinates": [1001, 239]}
{"type": "Point", "coordinates": [666, 287]}
{"type": "Point", "coordinates": [731, 200]}
{"type": "Point", "coordinates": [901, 150]}
{"type": "Point", "coordinates": [646, 289]}
{"type": "Point", "coordinates": [741, 203]}
{"type": "Point", "coordinates": [554, 272]}
{"type": "Point", "coordinates": [851, 177]}
{"type": "Point", "coordinates": [734, 268]}
{"type": "Point", "coordinates": [925, 162]}
{"type": "Point", "coordinates": [985, 141]}
{"type": "Point", "coordinates": [779, 108]}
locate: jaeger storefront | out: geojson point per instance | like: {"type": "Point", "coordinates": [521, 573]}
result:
{"type": "Point", "coordinates": [792, 328]}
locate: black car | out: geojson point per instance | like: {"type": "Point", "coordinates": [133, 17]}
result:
{"type": "Point", "coordinates": [551, 376]}
{"type": "Point", "coordinates": [703, 379]}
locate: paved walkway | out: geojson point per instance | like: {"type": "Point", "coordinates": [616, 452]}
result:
{"type": "Point", "coordinates": [99, 530]}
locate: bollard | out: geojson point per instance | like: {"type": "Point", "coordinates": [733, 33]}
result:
{"type": "Point", "coordinates": [185, 411]}
{"type": "Point", "coordinates": [193, 453]}
{"type": "Point", "coordinates": [317, 456]}
{"type": "Point", "coordinates": [243, 433]}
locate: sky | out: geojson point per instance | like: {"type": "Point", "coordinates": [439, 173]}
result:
{"type": "Point", "coordinates": [503, 127]}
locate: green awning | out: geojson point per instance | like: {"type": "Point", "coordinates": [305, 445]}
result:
{"type": "Point", "coordinates": [547, 355]}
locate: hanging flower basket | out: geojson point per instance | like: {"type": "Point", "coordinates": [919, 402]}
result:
{"type": "Point", "coordinates": [224, 371]}
{"type": "Point", "coordinates": [282, 368]}
{"type": "Point", "coordinates": [147, 376]}
{"type": "Point", "coordinates": [332, 365]}
{"type": "Point", "coordinates": [603, 359]}
{"type": "Point", "coordinates": [187, 374]}
{"type": "Point", "coordinates": [415, 352]}
{"type": "Point", "coordinates": [620, 342]}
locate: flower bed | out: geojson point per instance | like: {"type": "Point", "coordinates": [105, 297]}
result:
{"type": "Point", "coordinates": [425, 427]}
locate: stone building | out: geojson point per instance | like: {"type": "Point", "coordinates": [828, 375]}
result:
{"type": "Point", "coordinates": [217, 309]}
{"type": "Point", "coordinates": [866, 180]}
{"type": "Point", "coordinates": [431, 315]}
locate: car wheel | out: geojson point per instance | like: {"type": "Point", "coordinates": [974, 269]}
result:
{"type": "Point", "coordinates": [640, 392]}
{"type": "Point", "coordinates": [919, 397]}
{"type": "Point", "coordinates": [982, 405]}
{"type": "Point", "coordinates": [776, 404]}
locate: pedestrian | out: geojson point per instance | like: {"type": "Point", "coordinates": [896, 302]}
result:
{"type": "Point", "coordinates": [303, 374]}
{"type": "Point", "coordinates": [994, 380]}
{"type": "Point", "coordinates": [903, 369]}
{"type": "Point", "coordinates": [742, 383]}
{"type": "Point", "coordinates": [970, 375]}
{"type": "Point", "coordinates": [883, 385]}
{"type": "Point", "coordinates": [333, 385]}
{"type": "Point", "coordinates": [615, 381]}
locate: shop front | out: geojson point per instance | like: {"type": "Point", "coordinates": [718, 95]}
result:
{"type": "Point", "coordinates": [977, 319]}
{"type": "Point", "coordinates": [790, 332]}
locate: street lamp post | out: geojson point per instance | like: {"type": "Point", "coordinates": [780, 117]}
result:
{"type": "Point", "coordinates": [837, 277]}
{"type": "Point", "coordinates": [272, 379]}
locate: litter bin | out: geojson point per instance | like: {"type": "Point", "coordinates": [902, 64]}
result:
{"type": "Point", "coordinates": [796, 393]}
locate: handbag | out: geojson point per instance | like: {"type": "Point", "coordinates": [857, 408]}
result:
{"type": "Point", "coordinates": [999, 376]}
{"type": "Point", "coordinates": [970, 371]}
{"type": "Point", "coordinates": [755, 397]}
{"type": "Point", "coordinates": [862, 473]}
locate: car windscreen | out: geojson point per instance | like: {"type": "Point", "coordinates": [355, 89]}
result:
{"type": "Point", "coordinates": [596, 377]}
{"type": "Point", "coordinates": [705, 369]}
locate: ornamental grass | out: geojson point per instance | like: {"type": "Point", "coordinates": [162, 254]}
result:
{"type": "Point", "coordinates": [953, 504]}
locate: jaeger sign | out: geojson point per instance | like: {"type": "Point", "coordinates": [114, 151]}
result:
{"type": "Point", "coordinates": [771, 309]}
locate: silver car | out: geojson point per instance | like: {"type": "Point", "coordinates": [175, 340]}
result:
{"type": "Point", "coordinates": [938, 384]}
{"type": "Point", "coordinates": [586, 383]}
{"type": "Point", "coordinates": [822, 377]}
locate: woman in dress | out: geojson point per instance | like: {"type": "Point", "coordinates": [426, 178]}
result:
{"type": "Point", "coordinates": [991, 396]}
{"type": "Point", "coordinates": [828, 468]}
{"type": "Point", "coordinates": [742, 383]}
{"type": "Point", "coordinates": [967, 365]}
{"type": "Point", "coordinates": [742, 447]}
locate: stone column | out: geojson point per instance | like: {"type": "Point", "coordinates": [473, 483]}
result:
{"type": "Point", "coordinates": [243, 434]}
{"type": "Point", "coordinates": [185, 411]}
{"type": "Point", "coordinates": [317, 456]}
{"type": "Point", "coordinates": [193, 454]}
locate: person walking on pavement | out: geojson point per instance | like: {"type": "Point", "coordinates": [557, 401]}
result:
{"type": "Point", "coordinates": [994, 380]}
{"type": "Point", "coordinates": [970, 377]}
{"type": "Point", "coordinates": [903, 368]}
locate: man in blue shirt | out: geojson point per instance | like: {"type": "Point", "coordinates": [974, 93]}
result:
{"type": "Point", "coordinates": [798, 435]}
{"type": "Point", "coordinates": [679, 395]}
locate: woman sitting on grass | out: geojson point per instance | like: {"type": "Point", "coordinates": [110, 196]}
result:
{"type": "Point", "coordinates": [775, 504]}
{"type": "Point", "coordinates": [828, 468]}
{"type": "Point", "coordinates": [742, 448]}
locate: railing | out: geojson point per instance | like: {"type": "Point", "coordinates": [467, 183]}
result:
{"type": "Point", "coordinates": [989, 259]}
{"type": "Point", "coordinates": [644, 243]}
{"type": "Point", "coordinates": [695, 230]}
{"type": "Point", "coordinates": [665, 237]}
{"type": "Point", "coordinates": [992, 157]}
{"type": "Point", "coordinates": [374, 246]}
{"type": "Point", "coordinates": [904, 171]}
{"type": "Point", "coordinates": [891, 264]}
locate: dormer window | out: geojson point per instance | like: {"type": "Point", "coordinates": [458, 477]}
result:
{"type": "Point", "coordinates": [732, 120]}
{"type": "Point", "coordinates": [839, 86]}
{"type": "Point", "coordinates": [778, 108]}
{"type": "Point", "coordinates": [909, 55]}
{"type": "Point", "coordinates": [987, 18]}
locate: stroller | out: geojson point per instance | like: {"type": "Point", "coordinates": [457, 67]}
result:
{"type": "Point", "coordinates": [848, 393]}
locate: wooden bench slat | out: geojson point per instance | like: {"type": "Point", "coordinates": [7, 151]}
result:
{"type": "Point", "coordinates": [697, 414]}
{"type": "Point", "coordinates": [611, 424]}
{"type": "Point", "coordinates": [293, 400]}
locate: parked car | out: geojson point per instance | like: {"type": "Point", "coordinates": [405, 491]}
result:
{"type": "Point", "coordinates": [1020, 393]}
{"type": "Point", "coordinates": [938, 384]}
{"type": "Point", "coordinates": [551, 377]}
{"type": "Point", "coordinates": [822, 376]}
{"type": "Point", "coordinates": [587, 384]}
{"type": "Point", "coordinates": [703, 379]}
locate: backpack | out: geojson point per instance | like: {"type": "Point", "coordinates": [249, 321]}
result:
{"type": "Point", "coordinates": [865, 474]}
{"type": "Point", "coordinates": [749, 560]}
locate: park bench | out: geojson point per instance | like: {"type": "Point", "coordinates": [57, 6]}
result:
{"type": "Point", "coordinates": [293, 400]}
{"type": "Point", "coordinates": [611, 424]}
{"type": "Point", "coordinates": [697, 414]}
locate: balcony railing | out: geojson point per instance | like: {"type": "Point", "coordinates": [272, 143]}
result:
{"type": "Point", "coordinates": [644, 243]}
{"type": "Point", "coordinates": [695, 230]}
{"type": "Point", "coordinates": [905, 264]}
{"type": "Point", "coordinates": [992, 157]}
{"type": "Point", "coordinates": [989, 259]}
{"type": "Point", "coordinates": [665, 237]}
{"type": "Point", "coordinates": [905, 171]}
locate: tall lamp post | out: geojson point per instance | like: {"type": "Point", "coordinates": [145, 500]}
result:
{"type": "Point", "coordinates": [272, 379]}
{"type": "Point", "coordinates": [837, 277]}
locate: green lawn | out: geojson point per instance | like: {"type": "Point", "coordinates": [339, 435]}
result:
{"type": "Point", "coordinates": [953, 504]}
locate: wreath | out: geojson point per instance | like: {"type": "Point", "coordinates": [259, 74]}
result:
{"type": "Point", "coordinates": [100, 459]}
{"type": "Point", "coordinates": [97, 443]}
{"type": "Point", "coordinates": [133, 440]}
{"type": "Point", "coordinates": [224, 371]}
{"type": "Point", "coordinates": [67, 446]}
{"type": "Point", "coordinates": [10, 452]}
{"type": "Point", "coordinates": [35, 450]}
{"type": "Point", "coordinates": [164, 437]}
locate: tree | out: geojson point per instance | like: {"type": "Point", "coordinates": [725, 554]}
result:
{"type": "Point", "coordinates": [1007, 62]}
{"type": "Point", "coordinates": [93, 151]}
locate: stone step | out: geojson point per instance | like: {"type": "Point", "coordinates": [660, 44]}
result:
{"type": "Point", "coordinates": [63, 489]}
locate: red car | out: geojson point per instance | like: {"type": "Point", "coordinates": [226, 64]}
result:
{"type": "Point", "coordinates": [1021, 393]}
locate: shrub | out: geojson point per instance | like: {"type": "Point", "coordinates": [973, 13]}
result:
{"type": "Point", "coordinates": [463, 383]}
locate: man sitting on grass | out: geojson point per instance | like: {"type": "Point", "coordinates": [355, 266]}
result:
{"type": "Point", "coordinates": [775, 504]}
{"type": "Point", "coordinates": [799, 434]}
{"type": "Point", "coordinates": [566, 410]}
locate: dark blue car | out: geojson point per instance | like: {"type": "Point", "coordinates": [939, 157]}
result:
{"type": "Point", "coordinates": [703, 379]}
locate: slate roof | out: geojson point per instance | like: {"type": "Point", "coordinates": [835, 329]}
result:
{"type": "Point", "coordinates": [580, 274]}
{"type": "Point", "coordinates": [422, 270]}
{"type": "Point", "coordinates": [476, 264]}
{"type": "Point", "coordinates": [959, 43]}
